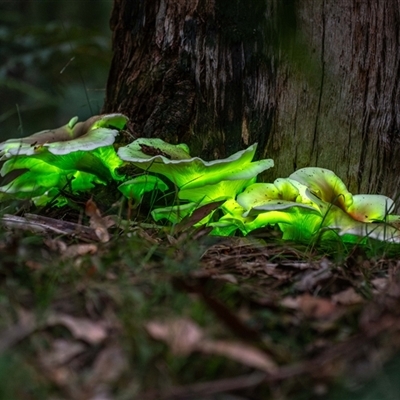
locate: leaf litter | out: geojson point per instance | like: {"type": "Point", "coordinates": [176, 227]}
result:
{"type": "Point", "coordinates": [96, 307]}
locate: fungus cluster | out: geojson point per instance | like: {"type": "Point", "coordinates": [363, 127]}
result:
{"type": "Point", "coordinates": [312, 203]}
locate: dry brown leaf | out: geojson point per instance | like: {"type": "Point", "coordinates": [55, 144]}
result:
{"type": "Point", "coordinates": [184, 337]}
{"type": "Point", "coordinates": [24, 327]}
{"type": "Point", "coordinates": [380, 284]}
{"type": "Point", "coordinates": [55, 245]}
{"type": "Point", "coordinates": [81, 328]}
{"type": "Point", "coordinates": [197, 216]}
{"type": "Point", "coordinates": [272, 269]}
{"type": "Point", "coordinates": [243, 353]}
{"type": "Point", "coordinates": [311, 279]}
{"type": "Point", "coordinates": [109, 366]}
{"type": "Point", "coordinates": [97, 223]}
{"type": "Point", "coordinates": [61, 351]}
{"type": "Point", "coordinates": [347, 297]}
{"type": "Point", "coordinates": [76, 250]}
{"type": "Point", "coordinates": [312, 307]}
{"type": "Point", "coordinates": [33, 265]}
{"type": "Point", "coordinates": [140, 232]}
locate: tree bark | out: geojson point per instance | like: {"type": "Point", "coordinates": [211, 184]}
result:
{"type": "Point", "coordinates": [314, 82]}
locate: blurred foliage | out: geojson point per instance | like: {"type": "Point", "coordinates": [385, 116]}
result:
{"type": "Point", "coordinates": [54, 62]}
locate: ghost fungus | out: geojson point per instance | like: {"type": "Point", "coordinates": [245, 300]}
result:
{"type": "Point", "coordinates": [175, 163]}
{"type": "Point", "coordinates": [327, 186]}
{"type": "Point", "coordinates": [174, 214]}
{"type": "Point", "coordinates": [315, 203]}
{"type": "Point", "coordinates": [231, 221]}
{"type": "Point", "coordinates": [77, 155]}
{"type": "Point", "coordinates": [197, 181]}
{"type": "Point", "coordinates": [281, 194]}
{"type": "Point", "coordinates": [135, 188]}
{"type": "Point", "coordinates": [97, 131]}
{"type": "Point", "coordinates": [218, 191]}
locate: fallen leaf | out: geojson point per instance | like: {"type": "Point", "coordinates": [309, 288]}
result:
{"type": "Point", "coordinates": [243, 353]}
{"type": "Point", "coordinates": [108, 367]}
{"type": "Point", "coordinates": [312, 307]}
{"type": "Point", "coordinates": [61, 351]}
{"type": "Point", "coordinates": [81, 328]}
{"type": "Point", "coordinates": [380, 284]}
{"type": "Point", "coordinates": [347, 297]}
{"type": "Point", "coordinates": [184, 337]}
{"type": "Point", "coordinates": [197, 216]}
{"type": "Point", "coordinates": [55, 245]}
{"type": "Point", "coordinates": [98, 224]}
{"type": "Point", "coordinates": [76, 250]}
{"type": "Point", "coordinates": [33, 265]}
{"type": "Point", "coordinates": [14, 334]}
{"type": "Point", "coordinates": [310, 279]}
{"type": "Point", "coordinates": [181, 335]}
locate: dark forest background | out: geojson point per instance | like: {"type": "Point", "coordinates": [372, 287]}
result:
{"type": "Point", "coordinates": [54, 61]}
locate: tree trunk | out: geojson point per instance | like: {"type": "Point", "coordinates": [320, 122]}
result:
{"type": "Point", "coordinates": [314, 82]}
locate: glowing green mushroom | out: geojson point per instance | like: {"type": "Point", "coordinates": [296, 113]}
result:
{"type": "Point", "coordinates": [315, 203]}
{"type": "Point", "coordinates": [295, 222]}
{"type": "Point", "coordinates": [281, 194]}
{"type": "Point", "coordinates": [218, 191]}
{"type": "Point", "coordinates": [174, 214]}
{"type": "Point", "coordinates": [135, 188]}
{"type": "Point", "coordinates": [174, 162]}
{"type": "Point", "coordinates": [77, 156]}
{"type": "Point", "coordinates": [97, 131]}
{"type": "Point", "coordinates": [231, 221]}
{"type": "Point", "coordinates": [327, 186]}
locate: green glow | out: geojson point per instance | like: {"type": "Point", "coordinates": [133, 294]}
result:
{"type": "Point", "coordinates": [219, 191]}
{"type": "Point", "coordinates": [315, 202]}
{"type": "Point", "coordinates": [174, 214]}
{"type": "Point", "coordinates": [51, 195]}
{"type": "Point", "coordinates": [232, 219]}
{"type": "Point", "coordinates": [327, 186]}
{"type": "Point", "coordinates": [135, 188]}
{"type": "Point", "coordinates": [311, 204]}
{"type": "Point", "coordinates": [88, 135]}
{"type": "Point", "coordinates": [76, 164]}
{"type": "Point", "coordinates": [188, 173]}
{"type": "Point", "coordinates": [279, 195]}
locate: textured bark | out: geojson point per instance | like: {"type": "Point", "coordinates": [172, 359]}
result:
{"type": "Point", "coordinates": [314, 82]}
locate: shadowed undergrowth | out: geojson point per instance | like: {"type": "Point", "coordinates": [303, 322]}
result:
{"type": "Point", "coordinates": [154, 314]}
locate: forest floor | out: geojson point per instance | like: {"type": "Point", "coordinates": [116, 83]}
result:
{"type": "Point", "coordinates": [89, 311]}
